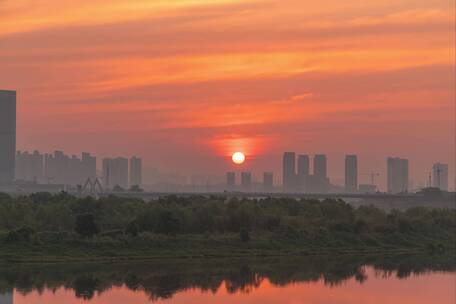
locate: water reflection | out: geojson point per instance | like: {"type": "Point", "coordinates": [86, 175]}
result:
{"type": "Point", "coordinates": [163, 279]}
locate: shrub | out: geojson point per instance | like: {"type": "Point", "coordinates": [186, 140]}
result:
{"type": "Point", "coordinates": [132, 229]}
{"type": "Point", "coordinates": [244, 234]}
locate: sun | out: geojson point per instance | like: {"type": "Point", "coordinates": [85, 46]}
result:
{"type": "Point", "coordinates": [238, 158]}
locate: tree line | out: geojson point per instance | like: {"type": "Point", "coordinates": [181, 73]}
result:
{"type": "Point", "coordinates": [23, 216]}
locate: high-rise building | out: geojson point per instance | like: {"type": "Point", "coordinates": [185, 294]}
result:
{"type": "Point", "coordinates": [319, 182]}
{"type": "Point", "coordinates": [7, 136]}
{"type": "Point", "coordinates": [303, 172]}
{"type": "Point", "coordinates": [60, 168]}
{"type": "Point", "coordinates": [115, 172]}
{"type": "Point", "coordinates": [56, 168]}
{"type": "Point", "coordinates": [440, 176]}
{"type": "Point", "coordinates": [135, 171]}
{"type": "Point", "coordinates": [89, 166]}
{"type": "Point", "coordinates": [289, 172]}
{"type": "Point", "coordinates": [230, 181]}
{"type": "Point", "coordinates": [268, 181]}
{"type": "Point", "coordinates": [30, 166]}
{"type": "Point", "coordinates": [303, 165]}
{"type": "Point", "coordinates": [320, 166]}
{"type": "Point", "coordinates": [397, 175]}
{"type": "Point", "coordinates": [246, 181]}
{"type": "Point", "coordinates": [351, 173]}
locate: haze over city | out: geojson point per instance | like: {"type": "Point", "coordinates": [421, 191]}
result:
{"type": "Point", "coordinates": [184, 84]}
{"type": "Point", "coordinates": [227, 151]}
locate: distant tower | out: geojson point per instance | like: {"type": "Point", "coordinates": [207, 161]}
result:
{"type": "Point", "coordinates": [320, 176]}
{"type": "Point", "coordinates": [89, 166]}
{"type": "Point", "coordinates": [440, 176]}
{"type": "Point", "coordinates": [7, 136]}
{"type": "Point", "coordinates": [397, 175]}
{"type": "Point", "coordinates": [230, 181]}
{"type": "Point", "coordinates": [320, 166]}
{"type": "Point", "coordinates": [351, 174]}
{"type": "Point", "coordinates": [303, 172]}
{"type": "Point", "coordinates": [289, 172]}
{"type": "Point", "coordinates": [246, 181]}
{"type": "Point", "coordinates": [115, 172]}
{"type": "Point", "coordinates": [268, 182]}
{"type": "Point", "coordinates": [135, 171]}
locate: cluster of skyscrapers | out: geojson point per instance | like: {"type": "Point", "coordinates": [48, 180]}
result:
{"type": "Point", "coordinates": [57, 168]}
{"type": "Point", "coordinates": [120, 172]}
{"type": "Point", "coordinates": [299, 178]}
{"type": "Point", "coordinates": [246, 184]}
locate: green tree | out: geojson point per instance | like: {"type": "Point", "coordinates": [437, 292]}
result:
{"type": "Point", "coordinates": [85, 225]}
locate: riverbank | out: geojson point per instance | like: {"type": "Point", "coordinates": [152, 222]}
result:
{"type": "Point", "coordinates": [45, 227]}
{"type": "Point", "coordinates": [197, 246]}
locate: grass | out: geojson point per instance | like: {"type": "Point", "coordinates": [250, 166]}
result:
{"type": "Point", "coordinates": [226, 245]}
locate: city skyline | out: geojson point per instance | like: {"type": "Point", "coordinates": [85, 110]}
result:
{"type": "Point", "coordinates": [263, 77]}
{"type": "Point", "coordinates": [34, 166]}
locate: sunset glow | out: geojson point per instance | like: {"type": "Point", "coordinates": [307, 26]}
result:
{"type": "Point", "coordinates": [194, 77]}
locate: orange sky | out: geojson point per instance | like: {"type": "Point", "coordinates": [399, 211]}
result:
{"type": "Point", "coordinates": [431, 288]}
{"type": "Point", "coordinates": [200, 78]}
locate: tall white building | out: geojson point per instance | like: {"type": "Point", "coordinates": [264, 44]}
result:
{"type": "Point", "coordinates": [135, 171]}
{"type": "Point", "coordinates": [397, 175]}
{"type": "Point", "coordinates": [115, 172]}
{"type": "Point", "coordinates": [440, 176]}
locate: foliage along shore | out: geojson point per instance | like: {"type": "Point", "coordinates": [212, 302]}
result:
{"type": "Point", "coordinates": [44, 227]}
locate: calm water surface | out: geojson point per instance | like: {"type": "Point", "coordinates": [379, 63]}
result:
{"type": "Point", "coordinates": [405, 279]}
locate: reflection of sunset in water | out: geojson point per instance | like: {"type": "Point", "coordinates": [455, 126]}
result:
{"type": "Point", "coordinates": [423, 289]}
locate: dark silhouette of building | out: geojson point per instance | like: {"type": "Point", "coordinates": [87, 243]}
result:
{"type": "Point", "coordinates": [351, 174]}
{"type": "Point", "coordinates": [268, 181]}
{"type": "Point", "coordinates": [230, 181]}
{"type": "Point", "coordinates": [289, 172]}
{"type": "Point", "coordinates": [397, 175]}
{"type": "Point", "coordinates": [246, 181]}
{"type": "Point", "coordinates": [319, 181]}
{"type": "Point", "coordinates": [7, 136]}
{"type": "Point", "coordinates": [320, 166]}
{"type": "Point", "coordinates": [135, 171]}
{"type": "Point", "coordinates": [303, 172]}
